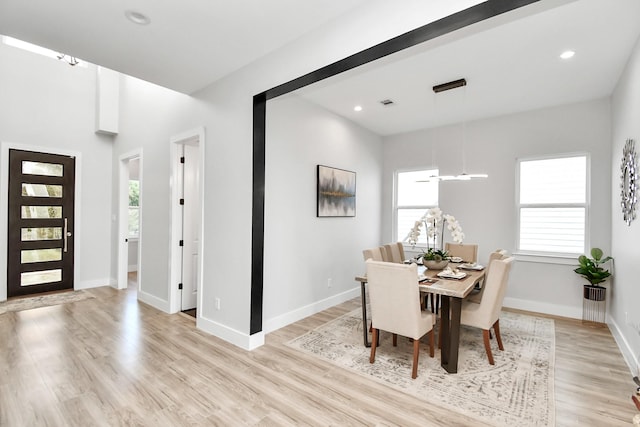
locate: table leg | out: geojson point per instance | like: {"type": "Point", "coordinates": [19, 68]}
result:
{"type": "Point", "coordinates": [444, 332]}
{"type": "Point", "coordinates": [450, 314]}
{"type": "Point", "coordinates": [365, 327]}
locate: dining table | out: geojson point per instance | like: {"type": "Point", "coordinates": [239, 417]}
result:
{"type": "Point", "coordinates": [452, 292]}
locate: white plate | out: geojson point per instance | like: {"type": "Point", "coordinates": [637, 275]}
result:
{"type": "Point", "coordinates": [455, 259]}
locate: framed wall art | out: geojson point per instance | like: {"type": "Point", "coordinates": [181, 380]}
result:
{"type": "Point", "coordinates": [336, 192]}
{"type": "Point", "coordinates": [629, 181]}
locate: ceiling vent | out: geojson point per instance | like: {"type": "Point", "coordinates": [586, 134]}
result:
{"type": "Point", "coordinates": [387, 103]}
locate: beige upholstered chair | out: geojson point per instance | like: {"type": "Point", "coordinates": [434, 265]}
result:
{"type": "Point", "coordinates": [395, 306]}
{"type": "Point", "coordinates": [373, 253]}
{"type": "Point", "coordinates": [395, 252]}
{"type": "Point", "coordinates": [476, 296]}
{"type": "Point", "coordinates": [487, 314]}
{"type": "Point", "coordinates": [468, 252]}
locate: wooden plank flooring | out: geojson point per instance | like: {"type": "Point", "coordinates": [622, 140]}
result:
{"type": "Point", "coordinates": [112, 361]}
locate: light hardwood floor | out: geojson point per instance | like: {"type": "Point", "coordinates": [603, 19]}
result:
{"type": "Point", "coordinates": [113, 361]}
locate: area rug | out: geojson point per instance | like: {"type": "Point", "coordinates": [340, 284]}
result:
{"type": "Point", "coordinates": [517, 391]}
{"type": "Point", "coordinates": [28, 303]}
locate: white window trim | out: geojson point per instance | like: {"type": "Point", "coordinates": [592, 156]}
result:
{"type": "Point", "coordinates": [394, 214]}
{"type": "Point", "coordinates": [549, 257]}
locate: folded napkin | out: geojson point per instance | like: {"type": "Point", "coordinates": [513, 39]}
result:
{"type": "Point", "coordinates": [472, 266]}
{"type": "Point", "coordinates": [452, 274]}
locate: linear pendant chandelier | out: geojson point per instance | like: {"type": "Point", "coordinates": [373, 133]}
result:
{"type": "Point", "coordinates": [464, 176]}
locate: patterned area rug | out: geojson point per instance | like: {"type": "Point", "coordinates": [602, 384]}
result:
{"type": "Point", "coordinates": [28, 303]}
{"type": "Point", "coordinates": [516, 391]}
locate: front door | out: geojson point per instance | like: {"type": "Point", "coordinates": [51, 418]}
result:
{"type": "Point", "coordinates": [41, 222]}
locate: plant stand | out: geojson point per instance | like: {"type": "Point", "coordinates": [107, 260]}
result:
{"type": "Point", "coordinates": [594, 306]}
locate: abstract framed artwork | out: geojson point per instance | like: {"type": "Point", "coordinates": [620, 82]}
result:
{"type": "Point", "coordinates": [336, 192]}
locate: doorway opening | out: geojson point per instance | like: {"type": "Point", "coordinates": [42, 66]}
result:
{"type": "Point", "coordinates": [130, 224]}
{"type": "Point", "coordinates": [187, 190]}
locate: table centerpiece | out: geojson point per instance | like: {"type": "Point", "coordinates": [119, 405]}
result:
{"type": "Point", "coordinates": [434, 221]}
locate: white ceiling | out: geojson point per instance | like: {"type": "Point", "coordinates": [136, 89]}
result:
{"type": "Point", "coordinates": [511, 67]}
{"type": "Point", "coordinates": [511, 64]}
{"type": "Point", "coordinates": [189, 43]}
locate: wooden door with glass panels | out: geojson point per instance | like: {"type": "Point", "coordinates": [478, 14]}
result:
{"type": "Point", "coordinates": [41, 222]}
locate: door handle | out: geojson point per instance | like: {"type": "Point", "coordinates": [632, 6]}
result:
{"type": "Point", "coordinates": [66, 233]}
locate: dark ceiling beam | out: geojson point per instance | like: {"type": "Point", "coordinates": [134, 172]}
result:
{"type": "Point", "coordinates": [446, 25]}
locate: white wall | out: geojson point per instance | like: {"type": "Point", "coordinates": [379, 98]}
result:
{"type": "Point", "coordinates": [486, 208]}
{"type": "Point", "coordinates": [625, 295]}
{"type": "Point", "coordinates": [302, 252]}
{"type": "Point", "coordinates": [47, 104]}
{"type": "Point", "coordinates": [149, 116]}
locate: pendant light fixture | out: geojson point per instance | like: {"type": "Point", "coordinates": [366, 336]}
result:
{"type": "Point", "coordinates": [464, 176]}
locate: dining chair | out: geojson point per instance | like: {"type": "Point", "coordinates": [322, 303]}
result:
{"type": "Point", "coordinates": [373, 253]}
{"type": "Point", "coordinates": [486, 315]}
{"type": "Point", "coordinates": [395, 252]}
{"type": "Point", "coordinates": [476, 296]}
{"type": "Point", "coordinates": [468, 252]}
{"type": "Point", "coordinates": [395, 306]}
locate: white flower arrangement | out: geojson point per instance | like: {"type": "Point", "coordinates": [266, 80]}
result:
{"type": "Point", "coordinates": [433, 221]}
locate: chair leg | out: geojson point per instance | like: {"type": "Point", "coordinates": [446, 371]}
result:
{"type": "Point", "coordinates": [416, 350]}
{"type": "Point", "coordinates": [487, 345]}
{"type": "Point", "coordinates": [395, 340]}
{"type": "Point", "coordinates": [374, 344]}
{"type": "Point", "coordinates": [496, 327]}
{"type": "Point", "coordinates": [431, 342]}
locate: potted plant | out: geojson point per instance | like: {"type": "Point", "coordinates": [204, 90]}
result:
{"type": "Point", "coordinates": [434, 222]}
{"type": "Point", "coordinates": [592, 270]}
{"type": "Point", "coordinates": [435, 259]}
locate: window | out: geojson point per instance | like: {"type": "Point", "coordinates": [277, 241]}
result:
{"type": "Point", "coordinates": [134, 208]}
{"type": "Point", "coordinates": [412, 199]}
{"type": "Point", "coordinates": [552, 205]}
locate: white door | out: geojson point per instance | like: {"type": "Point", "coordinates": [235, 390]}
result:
{"type": "Point", "coordinates": [190, 228]}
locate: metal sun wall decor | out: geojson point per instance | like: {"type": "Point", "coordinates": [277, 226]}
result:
{"type": "Point", "coordinates": [336, 192]}
{"type": "Point", "coordinates": [629, 181]}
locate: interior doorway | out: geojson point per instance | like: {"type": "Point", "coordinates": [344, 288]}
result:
{"type": "Point", "coordinates": [130, 224]}
{"type": "Point", "coordinates": [133, 241]}
{"type": "Point", "coordinates": [187, 190]}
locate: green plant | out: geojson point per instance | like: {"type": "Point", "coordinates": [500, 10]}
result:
{"type": "Point", "coordinates": [435, 255]}
{"type": "Point", "coordinates": [590, 268]}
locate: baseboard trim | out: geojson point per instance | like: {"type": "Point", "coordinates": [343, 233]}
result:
{"type": "Point", "coordinates": [237, 338]}
{"type": "Point", "coordinates": [285, 319]}
{"type": "Point", "coordinates": [625, 348]}
{"type": "Point", "coordinates": [543, 307]}
{"type": "Point", "coordinates": [88, 284]}
{"type": "Point", "coordinates": [153, 301]}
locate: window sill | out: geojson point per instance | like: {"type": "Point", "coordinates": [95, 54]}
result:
{"type": "Point", "coordinates": [131, 239]}
{"type": "Point", "coordinates": [546, 259]}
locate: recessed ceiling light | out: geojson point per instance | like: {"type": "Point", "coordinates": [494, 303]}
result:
{"type": "Point", "coordinates": [357, 108]}
{"type": "Point", "coordinates": [137, 17]}
{"type": "Point", "coordinates": [567, 54]}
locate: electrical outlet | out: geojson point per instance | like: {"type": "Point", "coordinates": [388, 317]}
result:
{"type": "Point", "coordinates": [217, 303]}
{"type": "Point", "coordinates": [329, 283]}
